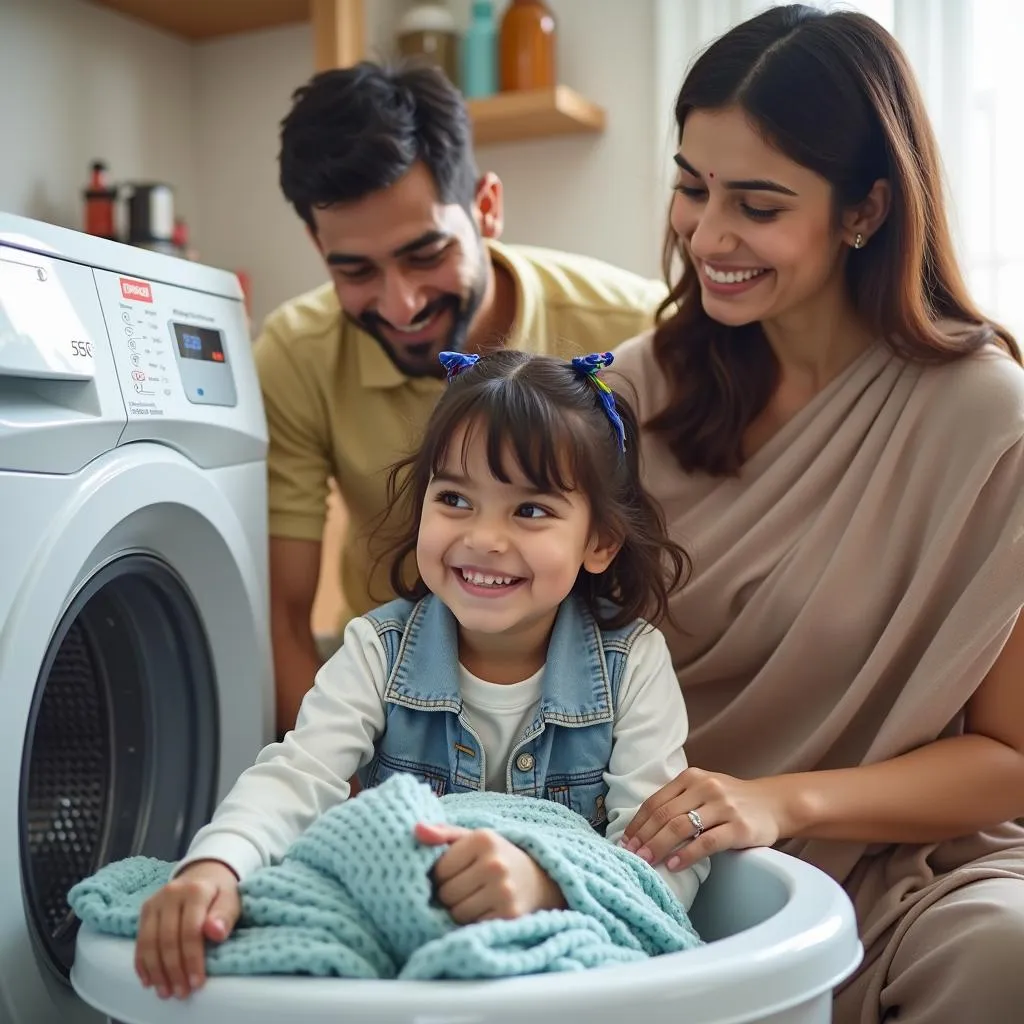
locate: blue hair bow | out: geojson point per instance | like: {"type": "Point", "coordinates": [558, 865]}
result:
{"type": "Point", "coordinates": [588, 367]}
{"type": "Point", "coordinates": [455, 362]}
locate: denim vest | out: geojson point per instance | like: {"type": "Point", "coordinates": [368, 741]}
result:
{"type": "Point", "coordinates": [564, 750]}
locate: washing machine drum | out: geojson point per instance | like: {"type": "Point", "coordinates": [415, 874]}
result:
{"type": "Point", "coordinates": [120, 749]}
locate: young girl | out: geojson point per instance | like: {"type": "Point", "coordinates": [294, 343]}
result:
{"type": "Point", "coordinates": [516, 660]}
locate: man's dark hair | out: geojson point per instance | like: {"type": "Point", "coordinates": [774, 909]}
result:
{"type": "Point", "coordinates": [356, 130]}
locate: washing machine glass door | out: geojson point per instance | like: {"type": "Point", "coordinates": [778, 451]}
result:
{"type": "Point", "coordinates": [96, 784]}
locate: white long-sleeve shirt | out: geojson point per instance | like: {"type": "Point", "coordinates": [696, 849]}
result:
{"type": "Point", "coordinates": [295, 781]}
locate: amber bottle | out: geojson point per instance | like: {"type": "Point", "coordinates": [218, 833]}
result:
{"type": "Point", "coordinates": [526, 46]}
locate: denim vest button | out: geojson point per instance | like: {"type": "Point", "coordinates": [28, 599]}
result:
{"type": "Point", "coordinates": [524, 762]}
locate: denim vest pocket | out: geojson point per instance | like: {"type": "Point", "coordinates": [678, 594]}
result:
{"type": "Point", "coordinates": [383, 766]}
{"type": "Point", "coordinates": [583, 792]}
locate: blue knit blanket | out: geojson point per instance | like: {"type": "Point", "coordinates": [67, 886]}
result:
{"type": "Point", "coordinates": [353, 898]}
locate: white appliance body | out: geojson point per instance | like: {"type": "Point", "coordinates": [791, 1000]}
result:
{"type": "Point", "coordinates": [135, 672]}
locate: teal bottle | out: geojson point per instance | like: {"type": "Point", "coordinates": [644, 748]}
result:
{"type": "Point", "coordinates": [480, 53]}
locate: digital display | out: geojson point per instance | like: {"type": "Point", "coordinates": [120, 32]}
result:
{"type": "Point", "coordinates": [199, 343]}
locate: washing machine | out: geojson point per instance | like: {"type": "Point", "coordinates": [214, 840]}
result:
{"type": "Point", "coordinates": [135, 671]}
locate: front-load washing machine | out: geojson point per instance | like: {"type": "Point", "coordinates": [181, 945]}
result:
{"type": "Point", "coordinates": [135, 678]}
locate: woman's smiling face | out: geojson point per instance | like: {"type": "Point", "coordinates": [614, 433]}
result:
{"type": "Point", "coordinates": [761, 231]}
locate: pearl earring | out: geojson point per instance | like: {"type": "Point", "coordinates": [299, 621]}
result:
{"type": "Point", "coordinates": [858, 242]}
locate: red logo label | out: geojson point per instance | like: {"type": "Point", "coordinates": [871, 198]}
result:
{"type": "Point", "coordinates": [138, 291]}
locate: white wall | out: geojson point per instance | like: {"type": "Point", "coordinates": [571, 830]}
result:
{"type": "Point", "coordinates": [243, 87]}
{"type": "Point", "coordinates": [206, 118]}
{"type": "Point", "coordinates": [79, 83]}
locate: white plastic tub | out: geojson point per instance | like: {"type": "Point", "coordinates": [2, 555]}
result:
{"type": "Point", "coordinates": [781, 935]}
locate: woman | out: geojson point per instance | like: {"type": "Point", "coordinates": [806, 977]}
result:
{"type": "Point", "coordinates": [837, 437]}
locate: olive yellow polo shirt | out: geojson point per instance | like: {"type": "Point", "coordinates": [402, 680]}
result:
{"type": "Point", "coordinates": [337, 407]}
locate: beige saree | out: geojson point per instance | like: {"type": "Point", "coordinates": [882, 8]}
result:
{"type": "Point", "coordinates": [851, 589]}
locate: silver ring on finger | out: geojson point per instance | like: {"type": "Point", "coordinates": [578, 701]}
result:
{"type": "Point", "coordinates": [698, 825]}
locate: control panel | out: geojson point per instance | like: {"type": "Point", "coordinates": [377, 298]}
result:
{"type": "Point", "coordinates": [169, 344]}
{"type": "Point", "coordinates": [104, 345]}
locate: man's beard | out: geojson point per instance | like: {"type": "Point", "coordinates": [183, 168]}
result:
{"type": "Point", "coordinates": [421, 359]}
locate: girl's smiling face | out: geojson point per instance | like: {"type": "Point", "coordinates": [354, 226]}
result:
{"type": "Point", "coordinates": [501, 556]}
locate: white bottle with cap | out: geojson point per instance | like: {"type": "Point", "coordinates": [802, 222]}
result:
{"type": "Point", "coordinates": [426, 32]}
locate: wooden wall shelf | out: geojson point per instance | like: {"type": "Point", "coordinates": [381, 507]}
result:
{"type": "Point", "coordinates": [515, 116]}
{"type": "Point", "coordinates": [339, 40]}
{"type": "Point", "coordinates": [339, 26]}
{"type": "Point", "coordinates": [208, 19]}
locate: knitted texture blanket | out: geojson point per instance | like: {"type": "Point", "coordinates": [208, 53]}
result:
{"type": "Point", "coordinates": [353, 896]}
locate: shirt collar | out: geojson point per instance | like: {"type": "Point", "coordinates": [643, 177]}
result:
{"type": "Point", "coordinates": [576, 686]}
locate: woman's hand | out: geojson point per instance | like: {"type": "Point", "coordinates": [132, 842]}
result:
{"type": "Point", "coordinates": [482, 876]}
{"type": "Point", "coordinates": [733, 815]}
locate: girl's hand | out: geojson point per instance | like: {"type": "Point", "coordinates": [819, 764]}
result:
{"type": "Point", "coordinates": [735, 815]}
{"type": "Point", "coordinates": [482, 876]}
{"type": "Point", "coordinates": [201, 903]}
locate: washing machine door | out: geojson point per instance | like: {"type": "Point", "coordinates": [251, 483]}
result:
{"type": "Point", "coordinates": [136, 683]}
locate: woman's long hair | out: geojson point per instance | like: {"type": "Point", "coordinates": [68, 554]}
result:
{"type": "Point", "coordinates": [835, 93]}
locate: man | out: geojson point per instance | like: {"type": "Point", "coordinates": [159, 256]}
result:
{"type": "Point", "coordinates": [379, 165]}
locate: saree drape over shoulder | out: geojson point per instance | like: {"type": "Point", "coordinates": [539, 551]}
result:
{"type": "Point", "coordinates": [851, 588]}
